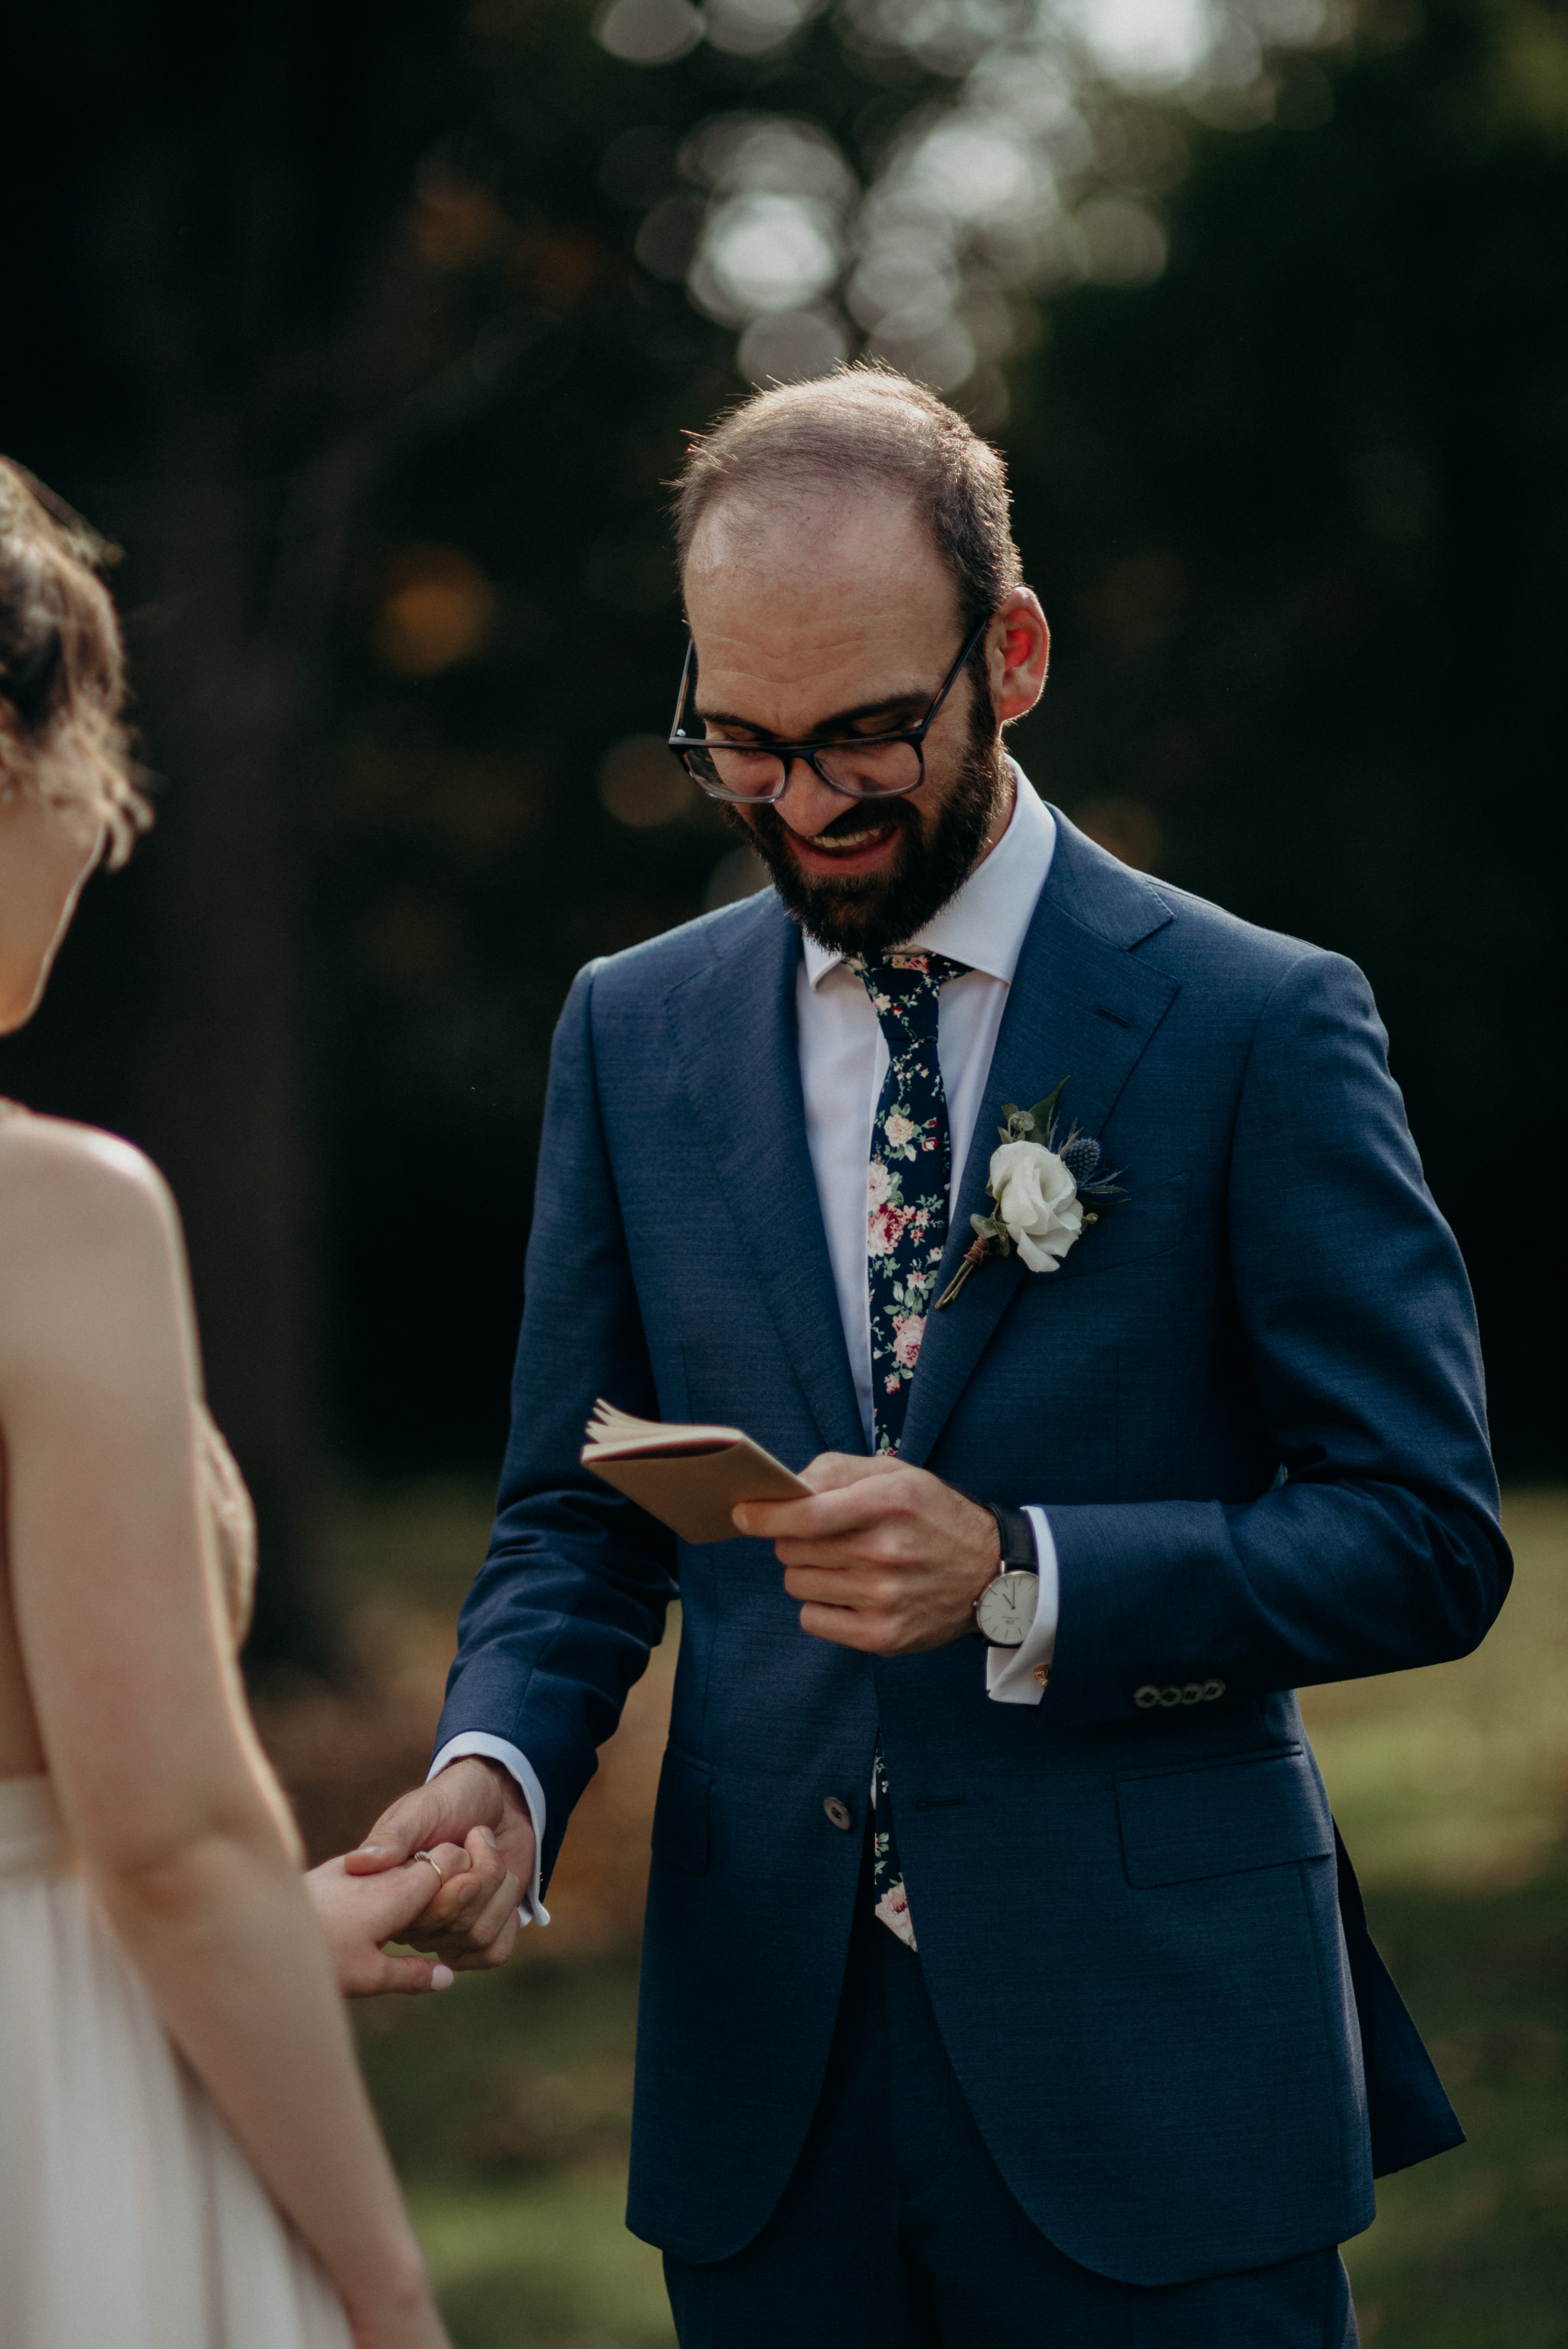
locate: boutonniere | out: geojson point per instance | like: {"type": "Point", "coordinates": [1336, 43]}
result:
{"type": "Point", "coordinates": [1046, 1197]}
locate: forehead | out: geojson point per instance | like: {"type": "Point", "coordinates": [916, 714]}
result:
{"type": "Point", "coordinates": [811, 603]}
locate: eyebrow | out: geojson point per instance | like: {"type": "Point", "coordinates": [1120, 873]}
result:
{"type": "Point", "coordinates": [824, 731]}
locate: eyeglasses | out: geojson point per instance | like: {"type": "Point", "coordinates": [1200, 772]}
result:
{"type": "Point", "coordinates": [867, 767]}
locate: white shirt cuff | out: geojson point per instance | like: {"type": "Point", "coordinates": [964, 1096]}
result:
{"type": "Point", "coordinates": [1017, 1675]}
{"type": "Point", "coordinates": [531, 1907]}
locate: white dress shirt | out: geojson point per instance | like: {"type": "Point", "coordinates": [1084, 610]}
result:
{"type": "Point", "coordinates": [843, 1060]}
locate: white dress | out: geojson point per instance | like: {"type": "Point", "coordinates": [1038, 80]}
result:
{"type": "Point", "coordinates": [130, 2217]}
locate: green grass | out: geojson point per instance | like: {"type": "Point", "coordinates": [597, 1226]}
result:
{"type": "Point", "coordinates": [1452, 1787]}
{"type": "Point", "coordinates": [507, 2100]}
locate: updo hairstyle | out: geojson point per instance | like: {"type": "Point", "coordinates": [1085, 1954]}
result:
{"type": "Point", "coordinates": [62, 667]}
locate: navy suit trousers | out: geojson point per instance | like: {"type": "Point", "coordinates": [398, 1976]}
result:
{"type": "Point", "coordinates": [896, 2230]}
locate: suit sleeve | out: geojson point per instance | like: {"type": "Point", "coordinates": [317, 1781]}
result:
{"type": "Point", "coordinates": [572, 1593]}
{"type": "Point", "coordinates": [1379, 1547]}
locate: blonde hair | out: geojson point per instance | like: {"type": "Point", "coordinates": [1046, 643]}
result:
{"type": "Point", "coordinates": [62, 666]}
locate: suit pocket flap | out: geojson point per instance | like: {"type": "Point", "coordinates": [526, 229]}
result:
{"type": "Point", "coordinates": [680, 1836]}
{"type": "Point", "coordinates": [1146, 1223]}
{"type": "Point", "coordinates": [1222, 1818]}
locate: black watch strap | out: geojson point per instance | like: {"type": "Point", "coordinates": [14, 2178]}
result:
{"type": "Point", "coordinates": [1017, 1539]}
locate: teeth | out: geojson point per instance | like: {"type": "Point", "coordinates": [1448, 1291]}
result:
{"type": "Point", "coordinates": [842, 843]}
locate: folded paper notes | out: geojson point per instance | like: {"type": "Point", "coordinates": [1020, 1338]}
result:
{"type": "Point", "coordinates": [688, 1477]}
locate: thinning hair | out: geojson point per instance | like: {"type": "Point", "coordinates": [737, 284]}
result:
{"type": "Point", "coordinates": [864, 425]}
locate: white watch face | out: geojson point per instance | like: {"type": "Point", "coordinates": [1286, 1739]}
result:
{"type": "Point", "coordinates": [1004, 1612]}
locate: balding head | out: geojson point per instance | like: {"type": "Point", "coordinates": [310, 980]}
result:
{"type": "Point", "coordinates": [860, 431]}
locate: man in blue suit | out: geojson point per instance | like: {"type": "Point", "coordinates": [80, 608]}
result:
{"type": "Point", "coordinates": [1009, 1987]}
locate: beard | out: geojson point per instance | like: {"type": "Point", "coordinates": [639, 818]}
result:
{"type": "Point", "coordinates": [868, 913]}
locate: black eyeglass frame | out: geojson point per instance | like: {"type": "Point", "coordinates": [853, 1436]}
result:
{"type": "Point", "coordinates": [683, 745]}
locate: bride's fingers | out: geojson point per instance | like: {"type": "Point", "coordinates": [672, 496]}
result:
{"type": "Point", "coordinates": [411, 1975]}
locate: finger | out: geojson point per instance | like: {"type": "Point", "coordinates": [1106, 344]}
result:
{"type": "Point", "coordinates": [441, 1812]}
{"type": "Point", "coordinates": [455, 1908]}
{"type": "Point", "coordinates": [867, 1592]}
{"type": "Point", "coordinates": [419, 1883]}
{"type": "Point", "coordinates": [411, 1976]}
{"type": "Point", "coordinates": [829, 1472]}
{"type": "Point", "coordinates": [850, 1626]}
{"type": "Point", "coordinates": [832, 1471]}
{"type": "Point", "coordinates": [499, 1947]}
{"type": "Point", "coordinates": [413, 1822]}
{"type": "Point", "coordinates": [847, 1508]}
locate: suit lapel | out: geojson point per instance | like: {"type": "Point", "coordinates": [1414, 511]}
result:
{"type": "Point", "coordinates": [733, 1029]}
{"type": "Point", "coordinates": [1080, 1006]}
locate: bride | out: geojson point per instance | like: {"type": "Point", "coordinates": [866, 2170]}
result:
{"type": "Point", "coordinates": [188, 2159]}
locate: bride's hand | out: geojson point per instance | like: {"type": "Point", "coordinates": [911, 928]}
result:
{"type": "Point", "coordinates": [358, 1913]}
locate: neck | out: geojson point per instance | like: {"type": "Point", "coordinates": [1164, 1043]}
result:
{"type": "Point", "coordinates": [1007, 800]}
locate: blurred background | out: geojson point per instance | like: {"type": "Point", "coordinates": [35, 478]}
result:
{"type": "Point", "coordinates": [368, 335]}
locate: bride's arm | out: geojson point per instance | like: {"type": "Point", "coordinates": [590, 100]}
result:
{"type": "Point", "coordinates": [162, 1784]}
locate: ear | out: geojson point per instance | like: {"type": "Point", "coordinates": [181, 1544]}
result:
{"type": "Point", "coordinates": [1018, 653]}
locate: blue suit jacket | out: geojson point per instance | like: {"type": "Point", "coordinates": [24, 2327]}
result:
{"type": "Point", "coordinates": [1252, 1401]}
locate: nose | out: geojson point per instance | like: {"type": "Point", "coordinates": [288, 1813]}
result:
{"type": "Point", "coordinates": [806, 805]}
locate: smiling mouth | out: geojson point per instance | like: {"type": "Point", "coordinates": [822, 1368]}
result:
{"type": "Point", "coordinates": [848, 844]}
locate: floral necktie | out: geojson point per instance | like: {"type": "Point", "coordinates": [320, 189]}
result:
{"type": "Point", "coordinates": [906, 1232]}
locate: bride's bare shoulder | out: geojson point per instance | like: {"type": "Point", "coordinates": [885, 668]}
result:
{"type": "Point", "coordinates": [62, 1186]}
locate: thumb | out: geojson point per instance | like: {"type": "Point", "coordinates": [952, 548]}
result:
{"type": "Point", "coordinates": [405, 1826]}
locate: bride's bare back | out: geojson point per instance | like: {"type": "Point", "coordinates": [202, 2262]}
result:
{"type": "Point", "coordinates": [120, 1583]}
{"type": "Point", "coordinates": [114, 1474]}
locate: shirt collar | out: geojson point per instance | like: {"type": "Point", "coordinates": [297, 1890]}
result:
{"type": "Point", "coordinates": [984, 925]}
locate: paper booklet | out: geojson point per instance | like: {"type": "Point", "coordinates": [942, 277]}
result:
{"type": "Point", "coordinates": [688, 1477]}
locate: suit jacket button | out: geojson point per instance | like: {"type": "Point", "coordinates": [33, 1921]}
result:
{"type": "Point", "coordinates": [1193, 1694]}
{"type": "Point", "coordinates": [1146, 1696]}
{"type": "Point", "coordinates": [1213, 1689]}
{"type": "Point", "coordinates": [837, 1812]}
{"type": "Point", "coordinates": [1170, 1696]}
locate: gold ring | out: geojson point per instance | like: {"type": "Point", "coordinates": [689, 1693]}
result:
{"type": "Point", "coordinates": [425, 1856]}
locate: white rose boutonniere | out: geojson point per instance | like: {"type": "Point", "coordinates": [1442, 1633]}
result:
{"type": "Point", "coordinates": [1046, 1197]}
{"type": "Point", "coordinates": [1037, 1203]}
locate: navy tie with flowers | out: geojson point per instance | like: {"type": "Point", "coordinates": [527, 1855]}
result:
{"type": "Point", "coordinates": [906, 1233]}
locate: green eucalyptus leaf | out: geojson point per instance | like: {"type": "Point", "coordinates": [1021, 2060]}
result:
{"type": "Point", "coordinates": [1044, 1111]}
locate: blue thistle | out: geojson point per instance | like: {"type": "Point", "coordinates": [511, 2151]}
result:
{"type": "Point", "coordinates": [1080, 1155]}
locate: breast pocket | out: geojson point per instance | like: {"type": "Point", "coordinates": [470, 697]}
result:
{"type": "Point", "coordinates": [1222, 1818]}
{"type": "Point", "coordinates": [1145, 1224]}
{"type": "Point", "coordinates": [681, 1822]}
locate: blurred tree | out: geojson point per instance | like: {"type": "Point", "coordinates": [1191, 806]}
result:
{"type": "Point", "coordinates": [1300, 508]}
{"type": "Point", "coordinates": [1280, 324]}
{"type": "Point", "coordinates": [1263, 299]}
{"type": "Point", "coordinates": [202, 315]}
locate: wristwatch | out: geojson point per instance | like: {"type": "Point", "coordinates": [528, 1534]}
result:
{"type": "Point", "coordinates": [1004, 1610]}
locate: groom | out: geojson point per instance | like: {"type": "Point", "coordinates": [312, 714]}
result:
{"type": "Point", "coordinates": [1003, 1987]}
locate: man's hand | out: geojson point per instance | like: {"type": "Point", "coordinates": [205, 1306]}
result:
{"type": "Point", "coordinates": [472, 1921]}
{"type": "Point", "coordinates": [883, 1558]}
